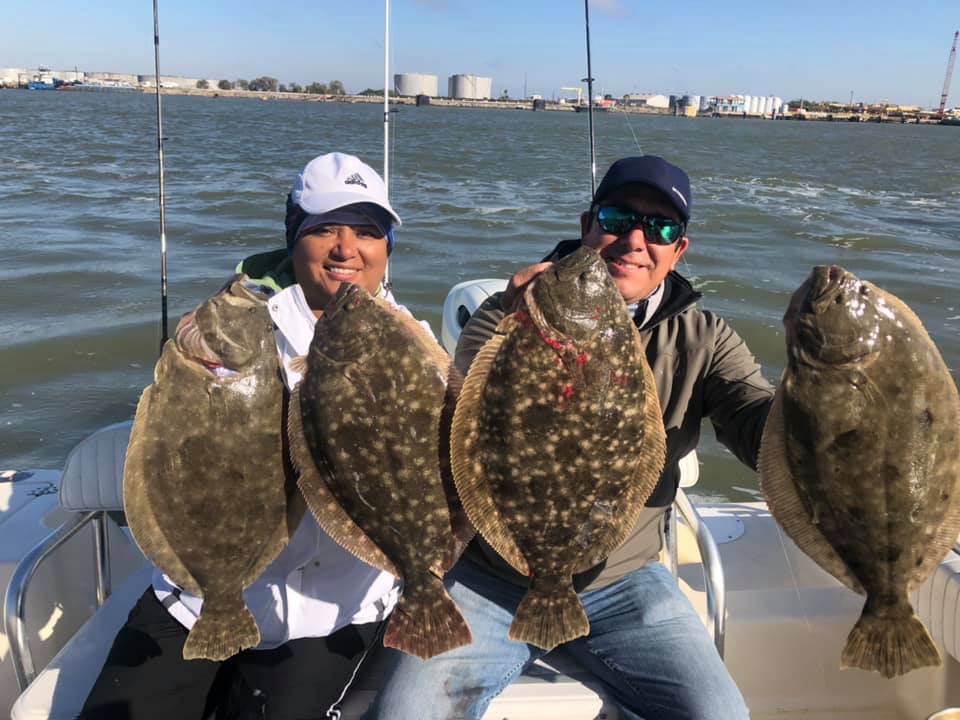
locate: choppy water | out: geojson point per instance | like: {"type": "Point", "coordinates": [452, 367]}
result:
{"type": "Point", "coordinates": [481, 192]}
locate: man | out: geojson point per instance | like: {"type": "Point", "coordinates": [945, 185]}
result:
{"type": "Point", "coordinates": [318, 608]}
{"type": "Point", "coordinates": [646, 645]}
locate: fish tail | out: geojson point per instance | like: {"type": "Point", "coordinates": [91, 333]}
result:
{"type": "Point", "coordinates": [427, 622]}
{"type": "Point", "coordinates": [221, 632]}
{"type": "Point", "coordinates": [549, 615]}
{"type": "Point", "coordinates": [892, 644]}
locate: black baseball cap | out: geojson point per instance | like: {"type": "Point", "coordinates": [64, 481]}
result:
{"type": "Point", "coordinates": [649, 170]}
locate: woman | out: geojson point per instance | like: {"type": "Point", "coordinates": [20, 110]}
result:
{"type": "Point", "coordinates": [318, 608]}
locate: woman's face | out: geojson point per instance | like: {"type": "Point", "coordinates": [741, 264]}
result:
{"type": "Point", "coordinates": [330, 255]}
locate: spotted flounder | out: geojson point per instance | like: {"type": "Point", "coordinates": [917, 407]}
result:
{"type": "Point", "coordinates": [205, 489]}
{"type": "Point", "coordinates": [365, 433]}
{"type": "Point", "coordinates": [860, 459]}
{"type": "Point", "coordinates": [558, 439]}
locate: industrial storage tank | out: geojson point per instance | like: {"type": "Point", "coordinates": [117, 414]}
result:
{"type": "Point", "coordinates": [469, 87]}
{"type": "Point", "coordinates": [747, 99]}
{"type": "Point", "coordinates": [413, 84]}
{"type": "Point", "coordinates": [754, 105]}
{"type": "Point", "coordinates": [689, 105]}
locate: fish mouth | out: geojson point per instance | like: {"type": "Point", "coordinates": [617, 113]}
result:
{"type": "Point", "coordinates": [346, 294]}
{"type": "Point", "coordinates": [826, 283]}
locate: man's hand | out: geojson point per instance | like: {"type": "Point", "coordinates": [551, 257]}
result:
{"type": "Point", "coordinates": [510, 300]}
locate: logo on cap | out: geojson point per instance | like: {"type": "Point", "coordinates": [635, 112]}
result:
{"type": "Point", "coordinates": [355, 179]}
{"type": "Point", "coordinates": [680, 195]}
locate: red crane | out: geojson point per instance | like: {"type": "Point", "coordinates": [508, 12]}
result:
{"type": "Point", "coordinates": [946, 82]}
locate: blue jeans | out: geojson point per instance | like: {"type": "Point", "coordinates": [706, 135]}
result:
{"type": "Point", "coordinates": [647, 647]}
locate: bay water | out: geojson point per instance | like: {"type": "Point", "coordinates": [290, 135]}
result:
{"type": "Point", "coordinates": [482, 193]}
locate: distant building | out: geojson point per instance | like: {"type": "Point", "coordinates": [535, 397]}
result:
{"type": "Point", "coordinates": [413, 84]}
{"type": "Point", "coordinates": [646, 100]}
{"type": "Point", "coordinates": [10, 77]}
{"type": "Point", "coordinates": [469, 87]}
{"type": "Point", "coordinates": [167, 81]}
{"type": "Point", "coordinates": [750, 104]}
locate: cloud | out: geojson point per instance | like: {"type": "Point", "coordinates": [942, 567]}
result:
{"type": "Point", "coordinates": [610, 7]}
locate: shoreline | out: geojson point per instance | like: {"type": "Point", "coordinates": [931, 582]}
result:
{"type": "Point", "coordinates": [536, 105]}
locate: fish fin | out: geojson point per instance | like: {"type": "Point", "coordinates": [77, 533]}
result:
{"type": "Point", "coordinates": [143, 524]}
{"type": "Point", "coordinates": [282, 532]}
{"type": "Point", "coordinates": [948, 533]}
{"type": "Point", "coordinates": [429, 344]}
{"type": "Point", "coordinates": [548, 618]}
{"type": "Point", "coordinates": [647, 468]}
{"type": "Point", "coordinates": [468, 476]}
{"type": "Point", "coordinates": [331, 517]}
{"type": "Point", "coordinates": [463, 533]}
{"type": "Point", "coordinates": [779, 490]}
{"type": "Point", "coordinates": [891, 646]}
{"type": "Point", "coordinates": [299, 365]}
{"type": "Point", "coordinates": [221, 631]}
{"type": "Point", "coordinates": [426, 626]}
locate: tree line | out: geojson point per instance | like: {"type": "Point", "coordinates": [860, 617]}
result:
{"type": "Point", "coordinates": [271, 84]}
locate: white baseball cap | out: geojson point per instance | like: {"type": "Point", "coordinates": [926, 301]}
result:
{"type": "Point", "coordinates": [331, 181]}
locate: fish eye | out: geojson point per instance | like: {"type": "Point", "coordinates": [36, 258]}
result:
{"type": "Point", "coordinates": [864, 290]}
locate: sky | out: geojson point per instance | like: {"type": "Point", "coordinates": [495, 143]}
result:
{"type": "Point", "coordinates": [817, 49]}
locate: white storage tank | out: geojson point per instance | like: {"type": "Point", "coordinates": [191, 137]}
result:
{"type": "Point", "coordinates": [767, 107]}
{"type": "Point", "coordinates": [469, 87]}
{"type": "Point", "coordinates": [754, 105]}
{"type": "Point", "coordinates": [747, 99]}
{"type": "Point", "coordinates": [413, 84]}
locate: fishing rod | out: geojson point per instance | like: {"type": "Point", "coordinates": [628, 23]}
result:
{"type": "Point", "coordinates": [589, 81]}
{"type": "Point", "coordinates": [163, 204]}
{"type": "Point", "coordinates": [386, 118]}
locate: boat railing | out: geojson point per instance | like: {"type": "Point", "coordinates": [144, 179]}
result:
{"type": "Point", "coordinates": [15, 601]}
{"type": "Point", "coordinates": [91, 487]}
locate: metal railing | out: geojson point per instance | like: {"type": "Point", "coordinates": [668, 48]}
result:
{"type": "Point", "coordinates": [712, 566]}
{"type": "Point", "coordinates": [14, 617]}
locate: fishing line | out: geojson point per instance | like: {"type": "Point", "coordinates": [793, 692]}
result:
{"type": "Point", "coordinates": [636, 140]}
{"type": "Point", "coordinates": [796, 587]}
{"type": "Point", "coordinates": [793, 575]}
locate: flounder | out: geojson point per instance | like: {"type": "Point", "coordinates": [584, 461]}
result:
{"type": "Point", "coordinates": [206, 492]}
{"type": "Point", "coordinates": [860, 458]}
{"type": "Point", "coordinates": [366, 435]}
{"type": "Point", "coordinates": [558, 439]}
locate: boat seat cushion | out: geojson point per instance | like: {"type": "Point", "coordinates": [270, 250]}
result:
{"type": "Point", "coordinates": [937, 603]}
{"type": "Point", "coordinates": [93, 475]}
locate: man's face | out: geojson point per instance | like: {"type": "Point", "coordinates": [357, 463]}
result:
{"type": "Point", "coordinates": [331, 255]}
{"type": "Point", "coordinates": [636, 266]}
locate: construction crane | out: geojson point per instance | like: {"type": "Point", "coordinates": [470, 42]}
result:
{"type": "Point", "coordinates": [578, 91]}
{"type": "Point", "coordinates": [946, 82]}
